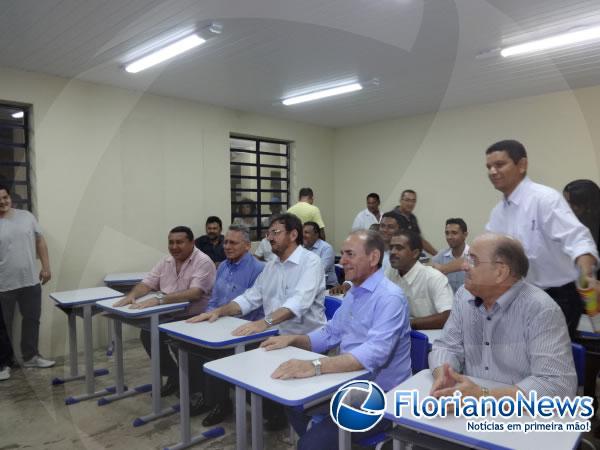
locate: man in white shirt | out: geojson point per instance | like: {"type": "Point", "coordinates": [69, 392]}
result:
{"type": "Point", "coordinates": [557, 245]}
{"type": "Point", "coordinates": [290, 289]}
{"type": "Point", "coordinates": [312, 242]}
{"type": "Point", "coordinates": [427, 289]}
{"type": "Point", "coordinates": [369, 216]}
{"type": "Point", "coordinates": [449, 261]}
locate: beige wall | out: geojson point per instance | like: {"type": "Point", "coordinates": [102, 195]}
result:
{"type": "Point", "coordinates": [116, 169]}
{"type": "Point", "coordinates": [441, 156]}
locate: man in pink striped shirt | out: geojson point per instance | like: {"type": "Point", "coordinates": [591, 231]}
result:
{"type": "Point", "coordinates": [186, 275]}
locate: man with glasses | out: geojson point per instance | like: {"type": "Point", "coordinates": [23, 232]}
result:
{"type": "Point", "coordinates": [502, 328]}
{"type": "Point", "coordinates": [557, 244]}
{"type": "Point", "coordinates": [290, 289]}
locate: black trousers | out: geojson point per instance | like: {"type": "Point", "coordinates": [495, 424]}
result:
{"type": "Point", "coordinates": [29, 300]}
{"type": "Point", "coordinates": [6, 351]}
{"type": "Point", "coordinates": [570, 302]}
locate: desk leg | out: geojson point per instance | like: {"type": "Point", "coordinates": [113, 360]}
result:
{"type": "Point", "coordinates": [157, 413]}
{"type": "Point", "coordinates": [89, 361]}
{"type": "Point", "coordinates": [257, 421]}
{"type": "Point", "coordinates": [344, 440]}
{"type": "Point", "coordinates": [118, 350]}
{"type": "Point", "coordinates": [73, 358]}
{"type": "Point", "coordinates": [240, 411]}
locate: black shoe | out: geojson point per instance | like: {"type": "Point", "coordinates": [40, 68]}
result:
{"type": "Point", "coordinates": [217, 415]}
{"type": "Point", "coordinates": [276, 423]}
{"type": "Point", "coordinates": [198, 405]}
{"type": "Point", "coordinates": [171, 387]}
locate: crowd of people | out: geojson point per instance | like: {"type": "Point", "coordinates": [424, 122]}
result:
{"type": "Point", "coordinates": [507, 302]}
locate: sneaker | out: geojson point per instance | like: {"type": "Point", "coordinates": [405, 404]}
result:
{"type": "Point", "coordinates": [5, 373]}
{"type": "Point", "coordinates": [38, 361]}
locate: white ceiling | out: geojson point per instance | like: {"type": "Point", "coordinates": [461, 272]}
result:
{"type": "Point", "coordinates": [416, 56]}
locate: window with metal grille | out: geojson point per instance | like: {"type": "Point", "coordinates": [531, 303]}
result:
{"type": "Point", "coordinates": [14, 153]}
{"type": "Point", "coordinates": [260, 174]}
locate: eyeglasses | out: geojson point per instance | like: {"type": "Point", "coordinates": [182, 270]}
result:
{"type": "Point", "coordinates": [474, 262]}
{"type": "Point", "coordinates": [274, 233]}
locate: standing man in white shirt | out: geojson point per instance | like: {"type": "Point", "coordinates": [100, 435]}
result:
{"type": "Point", "coordinates": [450, 260]}
{"type": "Point", "coordinates": [369, 216]}
{"type": "Point", "coordinates": [557, 245]}
{"type": "Point", "coordinates": [291, 291]}
{"type": "Point", "coordinates": [429, 294]}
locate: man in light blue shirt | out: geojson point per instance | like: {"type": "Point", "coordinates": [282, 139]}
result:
{"type": "Point", "coordinates": [371, 328]}
{"type": "Point", "coordinates": [234, 275]}
{"type": "Point", "coordinates": [312, 242]}
{"type": "Point", "coordinates": [449, 261]}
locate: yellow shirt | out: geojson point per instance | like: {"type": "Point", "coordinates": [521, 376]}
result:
{"type": "Point", "coordinates": [307, 213]}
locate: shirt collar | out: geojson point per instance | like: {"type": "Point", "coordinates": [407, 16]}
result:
{"type": "Point", "coordinates": [242, 262]}
{"type": "Point", "coordinates": [449, 251]}
{"type": "Point", "coordinates": [519, 193]}
{"type": "Point", "coordinates": [410, 276]}
{"type": "Point", "coordinates": [506, 299]}
{"type": "Point", "coordinates": [295, 256]}
{"type": "Point", "coordinates": [371, 283]}
{"type": "Point", "coordinates": [171, 260]}
{"type": "Point", "coordinates": [317, 245]}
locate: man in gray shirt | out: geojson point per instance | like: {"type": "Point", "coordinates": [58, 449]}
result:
{"type": "Point", "coordinates": [21, 241]}
{"type": "Point", "coordinates": [502, 328]}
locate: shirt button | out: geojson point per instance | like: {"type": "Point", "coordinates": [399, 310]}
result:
{"type": "Point", "coordinates": [487, 343]}
{"type": "Point", "coordinates": [487, 368]}
{"type": "Point", "coordinates": [489, 318]}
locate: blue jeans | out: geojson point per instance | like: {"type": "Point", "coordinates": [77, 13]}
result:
{"type": "Point", "coordinates": [324, 434]}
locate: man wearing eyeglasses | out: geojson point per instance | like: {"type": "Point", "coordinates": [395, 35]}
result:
{"type": "Point", "coordinates": [291, 290]}
{"type": "Point", "coordinates": [502, 328]}
{"type": "Point", "coordinates": [556, 243]}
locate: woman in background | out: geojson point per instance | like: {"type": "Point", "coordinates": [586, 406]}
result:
{"type": "Point", "coordinates": [583, 197]}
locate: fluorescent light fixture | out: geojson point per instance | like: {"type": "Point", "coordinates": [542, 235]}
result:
{"type": "Point", "coordinates": [165, 53]}
{"type": "Point", "coordinates": [322, 94]}
{"type": "Point", "coordinates": [18, 115]}
{"type": "Point", "coordinates": [560, 40]}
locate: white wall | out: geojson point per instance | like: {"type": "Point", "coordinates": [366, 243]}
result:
{"type": "Point", "coordinates": [116, 169]}
{"type": "Point", "coordinates": [441, 156]}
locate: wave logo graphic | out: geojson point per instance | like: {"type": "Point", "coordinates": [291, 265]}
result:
{"type": "Point", "coordinates": [358, 405]}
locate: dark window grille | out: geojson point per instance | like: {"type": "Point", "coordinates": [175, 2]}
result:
{"type": "Point", "coordinates": [15, 166]}
{"type": "Point", "coordinates": [260, 181]}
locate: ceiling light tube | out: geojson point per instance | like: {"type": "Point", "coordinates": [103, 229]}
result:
{"type": "Point", "coordinates": [560, 40]}
{"type": "Point", "coordinates": [18, 115]}
{"type": "Point", "coordinates": [322, 94]}
{"type": "Point", "coordinates": [165, 53]}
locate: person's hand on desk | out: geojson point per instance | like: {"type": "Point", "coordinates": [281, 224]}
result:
{"type": "Point", "coordinates": [340, 289]}
{"type": "Point", "coordinates": [211, 316]}
{"type": "Point", "coordinates": [257, 326]}
{"type": "Point", "coordinates": [145, 304]}
{"type": "Point", "coordinates": [451, 381]}
{"type": "Point", "coordinates": [277, 342]}
{"type": "Point", "coordinates": [294, 368]}
{"type": "Point", "coordinates": [124, 301]}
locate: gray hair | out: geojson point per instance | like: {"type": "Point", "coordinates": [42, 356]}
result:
{"type": "Point", "coordinates": [241, 228]}
{"type": "Point", "coordinates": [373, 241]}
{"type": "Point", "coordinates": [511, 252]}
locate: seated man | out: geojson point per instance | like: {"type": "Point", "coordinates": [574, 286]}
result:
{"type": "Point", "coordinates": [234, 275]}
{"type": "Point", "coordinates": [427, 289]}
{"type": "Point", "coordinates": [290, 289]}
{"type": "Point", "coordinates": [450, 260]}
{"type": "Point", "coordinates": [312, 242]}
{"type": "Point", "coordinates": [502, 328]}
{"type": "Point", "coordinates": [371, 328]}
{"type": "Point", "coordinates": [211, 243]}
{"type": "Point", "coordinates": [263, 251]}
{"type": "Point", "coordinates": [186, 275]}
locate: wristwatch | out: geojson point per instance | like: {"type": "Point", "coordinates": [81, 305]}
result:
{"type": "Point", "coordinates": [317, 364]}
{"type": "Point", "coordinates": [269, 320]}
{"type": "Point", "coordinates": [161, 298]}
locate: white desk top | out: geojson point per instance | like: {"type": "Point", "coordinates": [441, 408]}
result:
{"type": "Point", "coordinates": [125, 311]}
{"type": "Point", "coordinates": [125, 278]}
{"type": "Point", "coordinates": [83, 296]}
{"type": "Point", "coordinates": [432, 335]}
{"type": "Point", "coordinates": [454, 428]}
{"type": "Point", "coordinates": [585, 324]}
{"type": "Point", "coordinates": [252, 370]}
{"type": "Point", "coordinates": [216, 334]}
{"type": "Point", "coordinates": [336, 296]}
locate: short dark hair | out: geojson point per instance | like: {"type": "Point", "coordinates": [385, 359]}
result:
{"type": "Point", "coordinates": [583, 193]}
{"type": "Point", "coordinates": [291, 222]}
{"type": "Point", "coordinates": [510, 251]}
{"type": "Point", "coordinates": [4, 187]}
{"type": "Point", "coordinates": [414, 239]}
{"type": "Point", "coordinates": [214, 219]}
{"type": "Point", "coordinates": [373, 241]}
{"type": "Point", "coordinates": [394, 215]}
{"type": "Point", "coordinates": [407, 191]}
{"type": "Point", "coordinates": [314, 225]}
{"type": "Point", "coordinates": [515, 150]}
{"type": "Point", "coordinates": [183, 229]}
{"type": "Point", "coordinates": [375, 196]}
{"type": "Point", "coordinates": [306, 192]}
{"type": "Point", "coordinates": [457, 221]}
